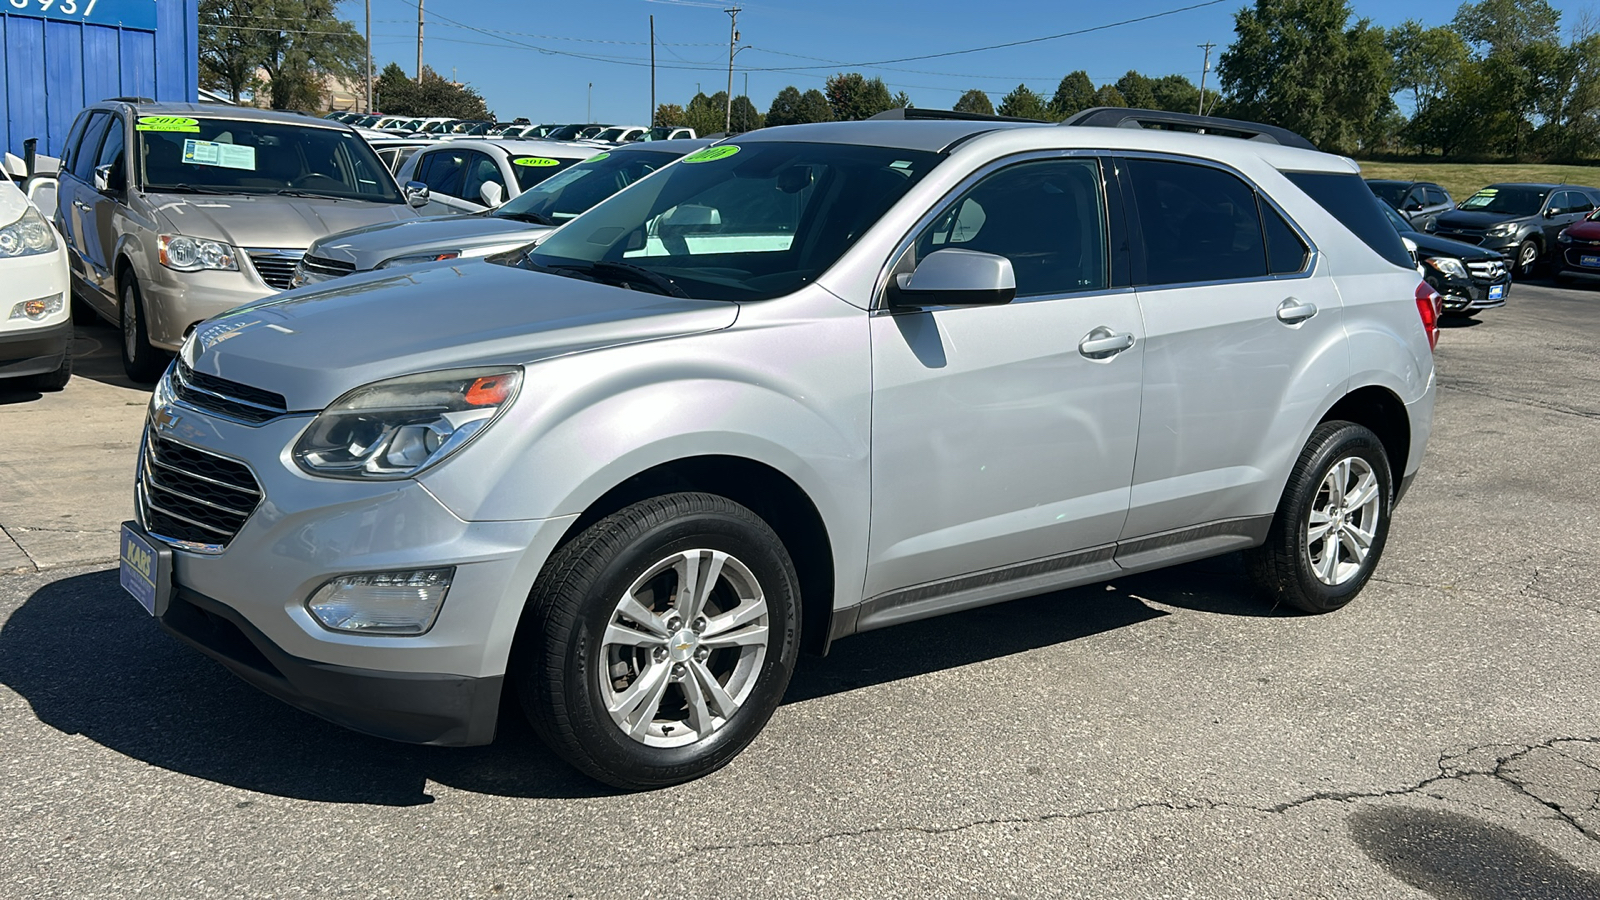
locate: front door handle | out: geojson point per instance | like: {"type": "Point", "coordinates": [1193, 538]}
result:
{"type": "Point", "coordinates": [1293, 312]}
{"type": "Point", "coordinates": [1103, 343]}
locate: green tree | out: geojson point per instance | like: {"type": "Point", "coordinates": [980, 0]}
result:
{"type": "Point", "coordinates": [1074, 94]}
{"type": "Point", "coordinates": [297, 45]}
{"type": "Point", "coordinates": [745, 116]}
{"type": "Point", "coordinates": [1424, 58]}
{"type": "Point", "coordinates": [1175, 93]}
{"type": "Point", "coordinates": [398, 95]}
{"type": "Point", "coordinates": [1023, 103]}
{"type": "Point", "coordinates": [814, 107]}
{"type": "Point", "coordinates": [1294, 63]}
{"type": "Point", "coordinates": [708, 115]}
{"type": "Point", "coordinates": [669, 115]}
{"type": "Point", "coordinates": [1108, 95]}
{"type": "Point", "coordinates": [785, 108]}
{"type": "Point", "coordinates": [1507, 26]}
{"type": "Point", "coordinates": [853, 96]}
{"type": "Point", "coordinates": [1137, 91]}
{"type": "Point", "coordinates": [902, 100]}
{"type": "Point", "coordinates": [975, 101]}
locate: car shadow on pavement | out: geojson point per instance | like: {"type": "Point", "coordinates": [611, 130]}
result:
{"type": "Point", "coordinates": [97, 356]}
{"type": "Point", "coordinates": [1449, 321]}
{"type": "Point", "coordinates": [1457, 857]}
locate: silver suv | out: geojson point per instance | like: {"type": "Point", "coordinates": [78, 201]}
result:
{"type": "Point", "coordinates": [175, 212]}
{"type": "Point", "coordinates": [816, 380]}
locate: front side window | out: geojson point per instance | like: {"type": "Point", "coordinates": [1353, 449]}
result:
{"type": "Point", "coordinates": [1047, 217]}
{"type": "Point", "coordinates": [480, 170]}
{"type": "Point", "coordinates": [1197, 223]}
{"type": "Point", "coordinates": [180, 153]}
{"type": "Point", "coordinates": [111, 150]}
{"type": "Point", "coordinates": [89, 150]}
{"type": "Point", "coordinates": [739, 222]}
{"type": "Point", "coordinates": [442, 172]}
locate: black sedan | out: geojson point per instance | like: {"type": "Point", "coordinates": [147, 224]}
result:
{"type": "Point", "coordinates": [1468, 278]}
{"type": "Point", "coordinates": [1520, 220]}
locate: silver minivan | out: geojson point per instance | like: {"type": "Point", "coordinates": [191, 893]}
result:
{"type": "Point", "coordinates": [811, 381]}
{"type": "Point", "coordinates": [175, 212]}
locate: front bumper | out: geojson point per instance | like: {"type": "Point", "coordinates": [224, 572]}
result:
{"type": "Point", "coordinates": [175, 302]}
{"type": "Point", "coordinates": [34, 352]}
{"type": "Point", "coordinates": [244, 604]}
{"type": "Point", "coordinates": [1464, 295]}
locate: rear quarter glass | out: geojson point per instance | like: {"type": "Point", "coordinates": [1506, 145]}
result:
{"type": "Point", "coordinates": [1347, 198]}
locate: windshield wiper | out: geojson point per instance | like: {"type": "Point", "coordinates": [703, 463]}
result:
{"type": "Point", "coordinates": [291, 192]}
{"type": "Point", "coordinates": [626, 273]}
{"type": "Point", "coordinates": [531, 217]}
{"type": "Point", "coordinates": [183, 189]}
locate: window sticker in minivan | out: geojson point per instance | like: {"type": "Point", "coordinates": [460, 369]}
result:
{"type": "Point", "coordinates": [211, 153]}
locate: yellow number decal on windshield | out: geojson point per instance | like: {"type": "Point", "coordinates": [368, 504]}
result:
{"type": "Point", "coordinates": [535, 161]}
{"type": "Point", "coordinates": [167, 123]}
{"type": "Point", "coordinates": [711, 154]}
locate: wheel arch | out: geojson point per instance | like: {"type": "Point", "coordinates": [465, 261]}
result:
{"type": "Point", "coordinates": [1380, 411]}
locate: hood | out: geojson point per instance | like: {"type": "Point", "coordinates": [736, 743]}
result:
{"type": "Point", "coordinates": [366, 247]}
{"type": "Point", "coordinates": [270, 221]}
{"type": "Point", "coordinates": [1584, 230]}
{"type": "Point", "coordinates": [1433, 245]}
{"type": "Point", "coordinates": [316, 344]}
{"type": "Point", "coordinates": [1460, 218]}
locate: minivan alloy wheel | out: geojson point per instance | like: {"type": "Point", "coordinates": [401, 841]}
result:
{"type": "Point", "coordinates": [1343, 521]}
{"type": "Point", "coordinates": [684, 648]}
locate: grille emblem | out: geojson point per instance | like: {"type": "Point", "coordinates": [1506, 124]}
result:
{"type": "Point", "coordinates": [164, 419]}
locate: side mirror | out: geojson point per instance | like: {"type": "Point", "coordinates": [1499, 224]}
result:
{"type": "Point", "coordinates": [1414, 206]}
{"type": "Point", "coordinates": [108, 178]}
{"type": "Point", "coordinates": [491, 193]}
{"type": "Point", "coordinates": [958, 278]}
{"type": "Point", "coordinates": [1552, 212]}
{"type": "Point", "coordinates": [416, 194]}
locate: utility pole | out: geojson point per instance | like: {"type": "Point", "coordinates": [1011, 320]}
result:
{"type": "Point", "coordinates": [1206, 47]}
{"type": "Point", "coordinates": [733, 41]}
{"type": "Point", "coordinates": [369, 57]}
{"type": "Point", "coordinates": [652, 119]}
{"type": "Point", "coordinates": [419, 41]}
{"type": "Point", "coordinates": [589, 111]}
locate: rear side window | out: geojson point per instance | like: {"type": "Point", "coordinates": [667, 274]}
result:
{"type": "Point", "coordinates": [1347, 199]}
{"type": "Point", "coordinates": [1199, 223]}
{"type": "Point", "coordinates": [1437, 196]}
{"type": "Point", "coordinates": [1286, 253]}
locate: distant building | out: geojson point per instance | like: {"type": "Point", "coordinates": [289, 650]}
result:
{"type": "Point", "coordinates": [56, 62]}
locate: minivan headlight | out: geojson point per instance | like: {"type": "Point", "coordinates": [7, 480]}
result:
{"type": "Point", "coordinates": [396, 428]}
{"type": "Point", "coordinates": [27, 236]}
{"type": "Point", "coordinates": [187, 254]}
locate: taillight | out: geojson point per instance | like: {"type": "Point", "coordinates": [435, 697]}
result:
{"type": "Point", "coordinates": [1428, 304]}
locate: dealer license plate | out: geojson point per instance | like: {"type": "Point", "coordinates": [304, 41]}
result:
{"type": "Point", "coordinates": [1496, 291]}
{"type": "Point", "coordinates": [1590, 262]}
{"type": "Point", "coordinates": [146, 569]}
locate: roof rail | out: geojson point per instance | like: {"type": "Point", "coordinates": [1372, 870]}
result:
{"type": "Point", "coordinates": [127, 100]}
{"type": "Point", "coordinates": [1116, 117]}
{"type": "Point", "coordinates": [916, 112]}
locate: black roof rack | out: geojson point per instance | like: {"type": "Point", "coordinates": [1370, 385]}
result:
{"type": "Point", "coordinates": [127, 100]}
{"type": "Point", "coordinates": [1116, 117]}
{"type": "Point", "coordinates": [916, 112]}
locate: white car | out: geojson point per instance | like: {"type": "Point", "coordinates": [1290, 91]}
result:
{"type": "Point", "coordinates": [35, 309]}
{"type": "Point", "coordinates": [472, 175]}
{"type": "Point", "coordinates": [620, 134]}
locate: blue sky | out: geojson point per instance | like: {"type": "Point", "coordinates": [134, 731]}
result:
{"type": "Point", "coordinates": [492, 46]}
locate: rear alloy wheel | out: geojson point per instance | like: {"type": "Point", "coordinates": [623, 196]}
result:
{"type": "Point", "coordinates": [660, 640]}
{"type": "Point", "coordinates": [142, 362]}
{"type": "Point", "coordinates": [1527, 258]}
{"type": "Point", "coordinates": [1331, 525]}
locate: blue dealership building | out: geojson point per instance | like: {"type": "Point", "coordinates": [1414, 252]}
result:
{"type": "Point", "coordinates": [61, 55]}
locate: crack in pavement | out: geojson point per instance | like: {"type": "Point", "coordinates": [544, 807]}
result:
{"type": "Point", "coordinates": [1449, 770]}
{"type": "Point", "coordinates": [1520, 401]}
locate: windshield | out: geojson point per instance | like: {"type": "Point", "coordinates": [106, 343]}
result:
{"type": "Point", "coordinates": [439, 127]}
{"type": "Point", "coordinates": [1515, 201]}
{"type": "Point", "coordinates": [565, 133]}
{"type": "Point", "coordinates": [659, 134]}
{"type": "Point", "coordinates": [741, 222]}
{"type": "Point", "coordinates": [179, 153]}
{"type": "Point", "coordinates": [580, 187]}
{"type": "Point", "coordinates": [611, 134]}
{"type": "Point", "coordinates": [1390, 192]}
{"type": "Point", "coordinates": [533, 169]}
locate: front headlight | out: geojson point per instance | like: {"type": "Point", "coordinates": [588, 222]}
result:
{"type": "Point", "coordinates": [27, 236]}
{"type": "Point", "coordinates": [437, 256]}
{"type": "Point", "coordinates": [187, 254]}
{"type": "Point", "coordinates": [1448, 266]}
{"type": "Point", "coordinates": [1563, 237]}
{"type": "Point", "coordinates": [1501, 230]}
{"type": "Point", "coordinates": [396, 428]}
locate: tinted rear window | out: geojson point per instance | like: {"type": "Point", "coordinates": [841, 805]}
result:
{"type": "Point", "coordinates": [1348, 199]}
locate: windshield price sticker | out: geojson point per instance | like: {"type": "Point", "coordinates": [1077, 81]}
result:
{"type": "Point", "coordinates": [536, 161]}
{"type": "Point", "coordinates": [167, 123]}
{"type": "Point", "coordinates": [711, 154]}
{"type": "Point", "coordinates": [597, 157]}
{"type": "Point", "coordinates": [210, 153]}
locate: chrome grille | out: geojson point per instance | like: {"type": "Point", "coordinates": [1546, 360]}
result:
{"type": "Point", "coordinates": [276, 267]}
{"type": "Point", "coordinates": [191, 496]}
{"type": "Point", "coordinates": [1487, 270]}
{"type": "Point", "coordinates": [240, 402]}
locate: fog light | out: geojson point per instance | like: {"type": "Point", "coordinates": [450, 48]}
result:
{"type": "Point", "coordinates": [401, 603]}
{"type": "Point", "coordinates": [38, 309]}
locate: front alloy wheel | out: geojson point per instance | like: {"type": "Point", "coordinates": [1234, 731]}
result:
{"type": "Point", "coordinates": [658, 642]}
{"type": "Point", "coordinates": [1343, 521]}
{"type": "Point", "coordinates": [1527, 258]}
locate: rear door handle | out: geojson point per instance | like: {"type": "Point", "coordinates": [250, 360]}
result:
{"type": "Point", "coordinates": [1103, 343]}
{"type": "Point", "coordinates": [1293, 312]}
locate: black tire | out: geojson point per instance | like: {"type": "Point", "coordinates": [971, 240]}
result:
{"type": "Point", "coordinates": [49, 382]}
{"type": "Point", "coordinates": [1526, 262]}
{"type": "Point", "coordinates": [562, 664]}
{"type": "Point", "coordinates": [1283, 568]}
{"type": "Point", "coordinates": [142, 362]}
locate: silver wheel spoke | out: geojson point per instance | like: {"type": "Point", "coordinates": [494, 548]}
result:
{"type": "Point", "coordinates": [1318, 527]}
{"type": "Point", "coordinates": [636, 707]}
{"type": "Point", "coordinates": [1362, 541]}
{"type": "Point", "coordinates": [1329, 562]}
{"type": "Point", "coordinates": [694, 695]}
{"type": "Point", "coordinates": [752, 636]}
{"type": "Point", "coordinates": [633, 609]}
{"type": "Point", "coordinates": [1363, 492]}
{"type": "Point", "coordinates": [698, 573]}
{"type": "Point", "coordinates": [618, 633]}
{"type": "Point", "coordinates": [747, 611]}
{"type": "Point", "coordinates": [725, 705]}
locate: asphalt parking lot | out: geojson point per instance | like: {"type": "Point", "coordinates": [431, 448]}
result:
{"type": "Point", "coordinates": [1162, 736]}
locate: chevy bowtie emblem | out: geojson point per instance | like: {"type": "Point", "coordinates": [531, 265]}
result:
{"type": "Point", "coordinates": [164, 419]}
